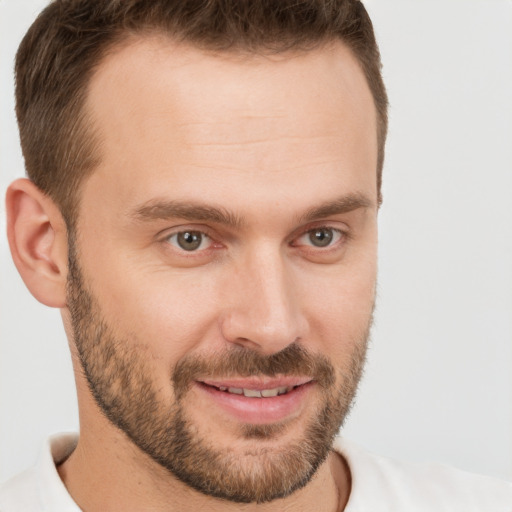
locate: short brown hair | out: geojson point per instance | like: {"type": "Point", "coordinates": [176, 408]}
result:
{"type": "Point", "coordinates": [68, 40]}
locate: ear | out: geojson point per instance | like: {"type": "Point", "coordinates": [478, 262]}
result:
{"type": "Point", "coordinates": [38, 240]}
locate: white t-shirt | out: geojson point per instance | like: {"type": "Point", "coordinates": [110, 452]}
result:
{"type": "Point", "coordinates": [379, 484]}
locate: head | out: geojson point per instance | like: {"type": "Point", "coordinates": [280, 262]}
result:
{"type": "Point", "coordinates": [218, 174]}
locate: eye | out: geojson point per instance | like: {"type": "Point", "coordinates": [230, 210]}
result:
{"type": "Point", "coordinates": [320, 237]}
{"type": "Point", "coordinates": [190, 240]}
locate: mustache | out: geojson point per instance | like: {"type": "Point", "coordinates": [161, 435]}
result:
{"type": "Point", "coordinates": [294, 360]}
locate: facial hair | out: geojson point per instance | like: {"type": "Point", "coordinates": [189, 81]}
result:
{"type": "Point", "coordinates": [119, 375]}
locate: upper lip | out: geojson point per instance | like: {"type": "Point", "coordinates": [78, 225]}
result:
{"type": "Point", "coordinates": [257, 383]}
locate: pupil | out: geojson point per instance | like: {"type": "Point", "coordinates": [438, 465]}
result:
{"type": "Point", "coordinates": [321, 237]}
{"type": "Point", "coordinates": [189, 240]}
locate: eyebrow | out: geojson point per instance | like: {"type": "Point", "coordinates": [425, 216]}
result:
{"type": "Point", "coordinates": [165, 210]}
{"type": "Point", "coordinates": [338, 206]}
{"type": "Point", "coordinates": [198, 212]}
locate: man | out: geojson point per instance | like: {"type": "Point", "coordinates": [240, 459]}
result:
{"type": "Point", "coordinates": [202, 207]}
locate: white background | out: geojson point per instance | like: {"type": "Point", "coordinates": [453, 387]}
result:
{"type": "Point", "coordinates": [439, 381]}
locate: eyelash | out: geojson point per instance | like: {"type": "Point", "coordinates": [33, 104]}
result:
{"type": "Point", "coordinates": [191, 232]}
{"type": "Point", "coordinates": [339, 236]}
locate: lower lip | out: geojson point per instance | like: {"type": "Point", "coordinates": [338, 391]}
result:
{"type": "Point", "coordinates": [259, 411]}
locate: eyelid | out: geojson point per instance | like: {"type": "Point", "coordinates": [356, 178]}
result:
{"type": "Point", "coordinates": [342, 229]}
{"type": "Point", "coordinates": [183, 228]}
{"type": "Point", "coordinates": [344, 235]}
{"type": "Point", "coordinates": [337, 236]}
{"type": "Point", "coordinates": [164, 236]}
{"type": "Point", "coordinates": [205, 239]}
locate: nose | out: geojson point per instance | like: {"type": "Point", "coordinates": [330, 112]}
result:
{"type": "Point", "coordinates": [265, 311]}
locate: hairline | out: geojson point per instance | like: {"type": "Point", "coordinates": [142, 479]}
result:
{"type": "Point", "coordinates": [88, 132]}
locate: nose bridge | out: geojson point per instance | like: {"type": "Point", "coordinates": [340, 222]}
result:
{"type": "Point", "coordinates": [265, 312]}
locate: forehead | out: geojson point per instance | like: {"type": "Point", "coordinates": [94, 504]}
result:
{"type": "Point", "coordinates": [250, 84]}
{"type": "Point", "coordinates": [167, 112]}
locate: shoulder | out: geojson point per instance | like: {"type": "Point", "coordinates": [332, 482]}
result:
{"type": "Point", "coordinates": [381, 484]}
{"type": "Point", "coordinates": [20, 493]}
{"type": "Point", "coordinates": [40, 488]}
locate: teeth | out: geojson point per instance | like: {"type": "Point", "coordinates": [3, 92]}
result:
{"type": "Point", "coordinates": [254, 393]}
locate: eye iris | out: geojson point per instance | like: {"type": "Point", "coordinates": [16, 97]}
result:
{"type": "Point", "coordinates": [189, 240]}
{"type": "Point", "coordinates": [321, 237]}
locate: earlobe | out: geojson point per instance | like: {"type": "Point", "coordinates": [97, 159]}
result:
{"type": "Point", "coordinates": [38, 240]}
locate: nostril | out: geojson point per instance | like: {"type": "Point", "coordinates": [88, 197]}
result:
{"type": "Point", "coordinates": [265, 317]}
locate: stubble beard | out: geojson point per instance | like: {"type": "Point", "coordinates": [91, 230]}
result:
{"type": "Point", "coordinates": [119, 377]}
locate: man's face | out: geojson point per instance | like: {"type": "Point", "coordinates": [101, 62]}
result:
{"type": "Point", "coordinates": [222, 278]}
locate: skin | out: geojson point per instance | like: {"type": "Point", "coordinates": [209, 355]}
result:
{"type": "Point", "coordinates": [268, 138]}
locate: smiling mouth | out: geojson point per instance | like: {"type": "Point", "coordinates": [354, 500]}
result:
{"type": "Point", "coordinates": [255, 393]}
{"type": "Point", "coordinates": [259, 400]}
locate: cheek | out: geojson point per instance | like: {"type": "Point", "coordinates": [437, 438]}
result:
{"type": "Point", "coordinates": [167, 312]}
{"type": "Point", "coordinates": [340, 307]}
